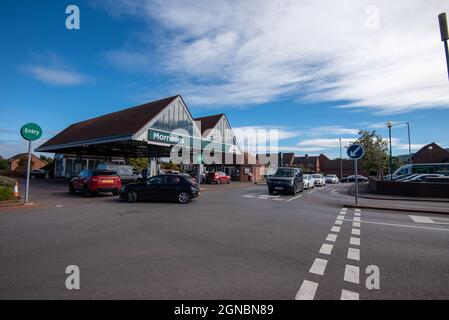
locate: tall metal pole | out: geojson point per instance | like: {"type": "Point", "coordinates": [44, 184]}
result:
{"type": "Point", "coordinates": [409, 144]}
{"type": "Point", "coordinates": [356, 183]}
{"type": "Point", "coordinates": [27, 191]}
{"type": "Point", "coordinates": [444, 36]}
{"type": "Point", "coordinates": [341, 162]}
{"type": "Point", "coordinates": [390, 162]}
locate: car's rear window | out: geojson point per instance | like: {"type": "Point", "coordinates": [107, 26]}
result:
{"type": "Point", "coordinates": [104, 173]}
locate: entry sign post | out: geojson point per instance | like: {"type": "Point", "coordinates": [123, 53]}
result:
{"type": "Point", "coordinates": [356, 152]}
{"type": "Point", "coordinates": [30, 132]}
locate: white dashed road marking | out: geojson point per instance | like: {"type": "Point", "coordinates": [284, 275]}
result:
{"type": "Point", "coordinates": [355, 232]}
{"type": "Point", "coordinates": [352, 274]}
{"type": "Point", "coordinates": [318, 266]}
{"type": "Point", "coordinates": [307, 290]}
{"type": "Point", "coordinates": [336, 229]}
{"type": "Point", "coordinates": [354, 254]}
{"type": "Point", "coordinates": [326, 249]}
{"type": "Point", "coordinates": [331, 237]}
{"type": "Point", "coordinates": [349, 295]}
{"type": "Point", "coordinates": [354, 241]}
{"type": "Point", "coordinates": [300, 196]}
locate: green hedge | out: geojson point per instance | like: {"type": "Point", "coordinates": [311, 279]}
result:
{"type": "Point", "coordinates": [6, 193]}
{"type": "Point", "coordinates": [7, 182]}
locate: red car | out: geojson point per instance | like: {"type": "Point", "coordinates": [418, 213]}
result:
{"type": "Point", "coordinates": [90, 182]}
{"type": "Point", "coordinates": [218, 178]}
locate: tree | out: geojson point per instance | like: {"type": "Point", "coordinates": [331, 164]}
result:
{"type": "Point", "coordinates": [138, 163]}
{"type": "Point", "coordinates": [376, 152]}
{"type": "Point", "coordinates": [4, 164]}
{"type": "Point", "coordinates": [170, 166]}
{"type": "Point", "coordinates": [45, 159]}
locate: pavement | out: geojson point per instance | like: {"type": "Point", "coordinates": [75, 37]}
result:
{"type": "Point", "coordinates": [236, 242]}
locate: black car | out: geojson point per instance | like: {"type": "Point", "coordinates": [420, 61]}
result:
{"type": "Point", "coordinates": [176, 187]}
{"type": "Point", "coordinates": [360, 179]}
{"type": "Point", "coordinates": [286, 180]}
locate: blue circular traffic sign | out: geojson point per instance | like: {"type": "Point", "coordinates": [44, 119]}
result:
{"type": "Point", "coordinates": [355, 152]}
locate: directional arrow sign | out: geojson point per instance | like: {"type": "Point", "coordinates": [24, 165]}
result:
{"type": "Point", "coordinates": [355, 152]}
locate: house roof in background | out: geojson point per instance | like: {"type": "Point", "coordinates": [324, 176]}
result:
{"type": "Point", "coordinates": [209, 122]}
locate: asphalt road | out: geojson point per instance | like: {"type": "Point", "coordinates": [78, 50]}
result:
{"type": "Point", "coordinates": [231, 243]}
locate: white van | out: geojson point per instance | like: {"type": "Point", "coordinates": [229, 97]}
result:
{"type": "Point", "coordinates": [424, 168]}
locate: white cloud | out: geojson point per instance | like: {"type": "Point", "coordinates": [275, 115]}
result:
{"type": "Point", "coordinates": [325, 143]}
{"type": "Point", "coordinates": [334, 130]}
{"type": "Point", "coordinates": [51, 69]}
{"type": "Point", "coordinates": [256, 51]}
{"type": "Point", "coordinates": [56, 77]}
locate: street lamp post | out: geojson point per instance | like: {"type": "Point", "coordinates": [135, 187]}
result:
{"type": "Point", "coordinates": [341, 162]}
{"type": "Point", "coordinates": [444, 36]}
{"type": "Point", "coordinates": [390, 163]}
{"type": "Point", "coordinates": [409, 144]}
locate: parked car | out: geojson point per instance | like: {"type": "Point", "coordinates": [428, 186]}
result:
{"type": "Point", "coordinates": [218, 177]}
{"type": "Point", "coordinates": [91, 182]}
{"type": "Point", "coordinates": [38, 174]}
{"type": "Point", "coordinates": [320, 180]}
{"type": "Point", "coordinates": [286, 180]}
{"type": "Point", "coordinates": [178, 187]}
{"type": "Point", "coordinates": [360, 179]}
{"type": "Point", "coordinates": [422, 177]}
{"type": "Point", "coordinates": [126, 173]}
{"type": "Point", "coordinates": [309, 182]}
{"type": "Point", "coordinates": [332, 179]}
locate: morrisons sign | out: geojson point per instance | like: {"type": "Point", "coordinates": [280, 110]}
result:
{"type": "Point", "coordinates": [189, 141]}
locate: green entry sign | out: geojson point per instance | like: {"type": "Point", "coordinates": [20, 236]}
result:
{"type": "Point", "coordinates": [31, 131]}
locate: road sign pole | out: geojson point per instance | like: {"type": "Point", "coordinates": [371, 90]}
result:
{"type": "Point", "coordinates": [356, 184]}
{"type": "Point", "coordinates": [28, 172]}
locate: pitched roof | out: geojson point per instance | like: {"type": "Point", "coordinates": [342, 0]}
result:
{"type": "Point", "coordinates": [305, 160]}
{"type": "Point", "coordinates": [121, 123]}
{"type": "Point", "coordinates": [209, 122]}
{"type": "Point", "coordinates": [20, 155]}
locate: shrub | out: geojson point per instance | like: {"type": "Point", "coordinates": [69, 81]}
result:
{"type": "Point", "coordinates": [6, 193]}
{"type": "Point", "coordinates": [7, 182]}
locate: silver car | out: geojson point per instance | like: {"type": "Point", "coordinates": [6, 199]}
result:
{"type": "Point", "coordinates": [309, 182]}
{"type": "Point", "coordinates": [332, 179]}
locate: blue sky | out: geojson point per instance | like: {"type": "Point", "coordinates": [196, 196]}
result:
{"type": "Point", "coordinates": [266, 64]}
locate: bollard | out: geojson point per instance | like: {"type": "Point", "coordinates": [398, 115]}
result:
{"type": "Point", "coordinates": [16, 190]}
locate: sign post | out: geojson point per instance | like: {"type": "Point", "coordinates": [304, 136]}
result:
{"type": "Point", "coordinates": [356, 152]}
{"type": "Point", "coordinates": [30, 132]}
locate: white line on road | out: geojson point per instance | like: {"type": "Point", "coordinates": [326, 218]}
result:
{"type": "Point", "coordinates": [356, 224]}
{"type": "Point", "coordinates": [307, 290]}
{"type": "Point", "coordinates": [352, 274]}
{"type": "Point", "coordinates": [326, 249]}
{"type": "Point", "coordinates": [403, 225]}
{"type": "Point", "coordinates": [357, 214]}
{"type": "Point", "coordinates": [336, 229]}
{"type": "Point", "coordinates": [355, 232]}
{"type": "Point", "coordinates": [300, 196]}
{"type": "Point", "coordinates": [341, 217]}
{"type": "Point", "coordinates": [357, 219]}
{"type": "Point", "coordinates": [349, 295]}
{"type": "Point", "coordinates": [344, 209]}
{"type": "Point", "coordinates": [421, 219]}
{"type": "Point", "coordinates": [318, 266]}
{"type": "Point", "coordinates": [354, 241]}
{"type": "Point", "coordinates": [354, 254]}
{"type": "Point", "coordinates": [339, 222]}
{"type": "Point", "coordinates": [331, 237]}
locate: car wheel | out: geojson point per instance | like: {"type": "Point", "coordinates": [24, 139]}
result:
{"type": "Point", "coordinates": [229, 181]}
{"type": "Point", "coordinates": [131, 196]}
{"type": "Point", "coordinates": [71, 189]}
{"type": "Point", "coordinates": [270, 191]}
{"type": "Point", "coordinates": [183, 197]}
{"type": "Point", "coordinates": [302, 188]}
{"type": "Point", "coordinates": [294, 189]}
{"type": "Point", "coordinates": [86, 191]}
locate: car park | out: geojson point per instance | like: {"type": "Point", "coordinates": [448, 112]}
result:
{"type": "Point", "coordinates": [177, 187]}
{"type": "Point", "coordinates": [320, 180]}
{"type": "Point", "coordinates": [126, 173]}
{"type": "Point", "coordinates": [309, 182]}
{"type": "Point", "coordinates": [91, 182]}
{"type": "Point", "coordinates": [351, 179]}
{"type": "Point", "coordinates": [286, 180]}
{"type": "Point", "coordinates": [218, 177]}
{"type": "Point", "coordinates": [332, 179]}
{"type": "Point", "coordinates": [422, 177]}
